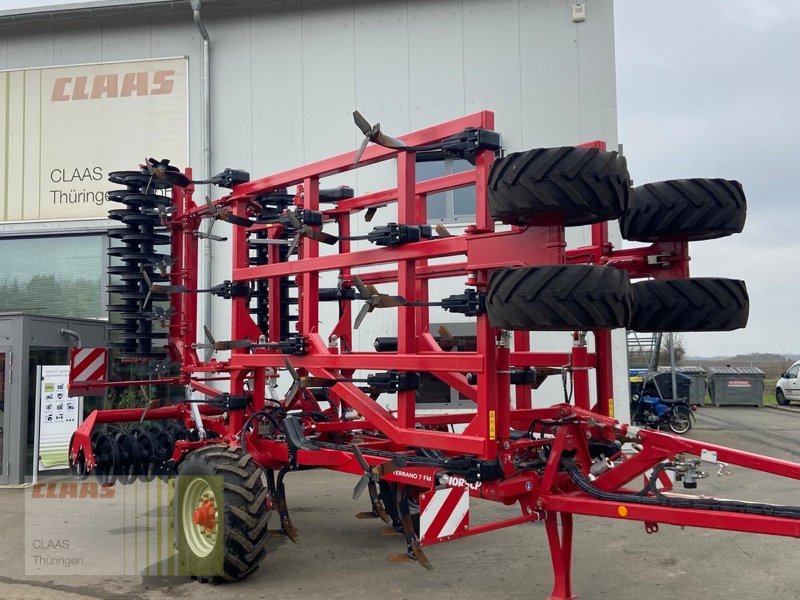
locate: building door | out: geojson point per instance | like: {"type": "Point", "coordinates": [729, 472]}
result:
{"type": "Point", "coordinates": [5, 381]}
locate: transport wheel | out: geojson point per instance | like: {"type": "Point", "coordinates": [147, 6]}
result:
{"type": "Point", "coordinates": [220, 514]}
{"type": "Point", "coordinates": [680, 422]}
{"type": "Point", "coordinates": [698, 304]}
{"type": "Point", "coordinates": [780, 398]}
{"type": "Point", "coordinates": [586, 185]}
{"type": "Point", "coordinates": [694, 209]}
{"type": "Point", "coordinates": [559, 298]}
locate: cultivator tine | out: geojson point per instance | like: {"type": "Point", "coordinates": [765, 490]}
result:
{"type": "Point", "coordinates": [369, 480]}
{"type": "Point", "coordinates": [299, 382]}
{"type": "Point", "coordinates": [222, 213]}
{"type": "Point", "coordinates": [368, 132]}
{"type": "Point", "coordinates": [233, 345]}
{"type": "Point", "coordinates": [377, 504]}
{"type": "Point", "coordinates": [373, 133]}
{"type": "Point", "coordinates": [413, 546]}
{"type": "Point", "coordinates": [212, 342]}
{"type": "Point", "coordinates": [283, 509]}
{"type": "Point", "coordinates": [370, 214]}
{"type": "Point", "coordinates": [303, 230]}
{"type": "Point", "coordinates": [372, 477]}
{"type": "Point", "coordinates": [236, 219]}
{"type": "Point", "coordinates": [413, 543]}
{"type": "Point", "coordinates": [385, 301]}
{"type": "Point", "coordinates": [159, 314]}
{"type": "Point", "coordinates": [388, 467]}
{"type": "Point", "coordinates": [161, 169]}
{"type": "Point", "coordinates": [159, 288]}
{"type": "Point", "coordinates": [293, 245]}
{"type": "Point", "coordinates": [362, 484]}
{"type": "Point", "coordinates": [361, 149]}
{"type": "Point", "coordinates": [373, 299]}
{"type": "Point", "coordinates": [442, 231]}
{"type": "Point", "coordinates": [365, 310]}
{"type": "Point", "coordinates": [362, 289]}
{"type": "Point", "coordinates": [210, 346]}
{"type": "Point", "coordinates": [292, 370]}
{"type": "Point", "coordinates": [365, 478]}
{"type": "Point", "coordinates": [321, 236]}
{"type": "Point", "coordinates": [295, 222]}
{"type": "Point", "coordinates": [362, 123]}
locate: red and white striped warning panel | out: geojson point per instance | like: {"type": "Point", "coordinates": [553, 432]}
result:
{"type": "Point", "coordinates": [85, 365]}
{"type": "Point", "coordinates": [443, 513]}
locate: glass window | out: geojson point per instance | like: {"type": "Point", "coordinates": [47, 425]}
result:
{"type": "Point", "coordinates": [454, 206]}
{"type": "Point", "coordinates": [54, 275]}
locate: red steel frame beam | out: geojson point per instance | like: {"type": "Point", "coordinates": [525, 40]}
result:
{"type": "Point", "coordinates": [549, 495]}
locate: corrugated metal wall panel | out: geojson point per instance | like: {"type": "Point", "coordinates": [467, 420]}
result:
{"type": "Point", "coordinates": [125, 39]}
{"type": "Point", "coordinates": [277, 89]}
{"type": "Point", "coordinates": [549, 75]}
{"type": "Point", "coordinates": [29, 46]}
{"type": "Point", "coordinates": [77, 43]}
{"type": "Point", "coordinates": [436, 56]}
{"type": "Point", "coordinates": [492, 64]}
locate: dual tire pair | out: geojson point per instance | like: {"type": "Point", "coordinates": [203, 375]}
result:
{"type": "Point", "coordinates": [589, 185]}
{"type": "Point", "coordinates": [585, 297]}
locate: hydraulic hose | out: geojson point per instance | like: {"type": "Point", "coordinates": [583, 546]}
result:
{"type": "Point", "coordinates": [660, 499]}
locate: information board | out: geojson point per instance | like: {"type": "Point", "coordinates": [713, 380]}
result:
{"type": "Point", "coordinates": [57, 417]}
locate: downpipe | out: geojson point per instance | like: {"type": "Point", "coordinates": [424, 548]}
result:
{"type": "Point", "coordinates": [70, 333]}
{"type": "Point", "coordinates": [205, 274]}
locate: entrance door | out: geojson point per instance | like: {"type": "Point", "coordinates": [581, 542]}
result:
{"type": "Point", "coordinates": [5, 388]}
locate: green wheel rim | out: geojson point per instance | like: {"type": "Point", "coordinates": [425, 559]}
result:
{"type": "Point", "coordinates": [199, 503]}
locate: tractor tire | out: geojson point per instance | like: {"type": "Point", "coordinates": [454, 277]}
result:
{"type": "Point", "coordinates": [228, 484]}
{"type": "Point", "coordinates": [585, 185]}
{"type": "Point", "coordinates": [699, 304]}
{"type": "Point", "coordinates": [692, 209]}
{"type": "Point", "coordinates": [559, 298]}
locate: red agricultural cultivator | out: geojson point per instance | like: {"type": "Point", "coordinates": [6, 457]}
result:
{"type": "Point", "coordinates": [235, 431]}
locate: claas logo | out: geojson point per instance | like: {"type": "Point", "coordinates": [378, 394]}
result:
{"type": "Point", "coordinates": [71, 489]}
{"type": "Point", "coordinates": [113, 85]}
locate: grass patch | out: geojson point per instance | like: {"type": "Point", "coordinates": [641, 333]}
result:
{"type": "Point", "coordinates": [769, 391]}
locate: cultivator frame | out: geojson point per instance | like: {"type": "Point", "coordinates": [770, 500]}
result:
{"type": "Point", "coordinates": [552, 462]}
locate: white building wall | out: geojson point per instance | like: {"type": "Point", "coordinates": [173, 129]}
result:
{"type": "Point", "coordinates": [286, 77]}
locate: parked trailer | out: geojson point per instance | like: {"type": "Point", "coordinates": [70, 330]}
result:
{"type": "Point", "coordinates": [232, 449]}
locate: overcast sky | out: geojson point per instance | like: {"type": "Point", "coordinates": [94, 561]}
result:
{"type": "Point", "coordinates": [711, 88]}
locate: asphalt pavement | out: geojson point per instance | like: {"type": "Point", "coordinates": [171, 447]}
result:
{"type": "Point", "coordinates": [340, 557]}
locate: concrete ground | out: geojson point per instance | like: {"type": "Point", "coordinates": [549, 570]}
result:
{"type": "Point", "coordinates": [339, 557]}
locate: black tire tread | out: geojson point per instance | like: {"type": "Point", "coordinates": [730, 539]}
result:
{"type": "Point", "coordinates": [586, 185]}
{"type": "Point", "coordinates": [697, 304]}
{"type": "Point", "coordinates": [559, 298]}
{"type": "Point", "coordinates": [780, 397]}
{"type": "Point", "coordinates": [694, 209]}
{"type": "Point", "coordinates": [245, 509]}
